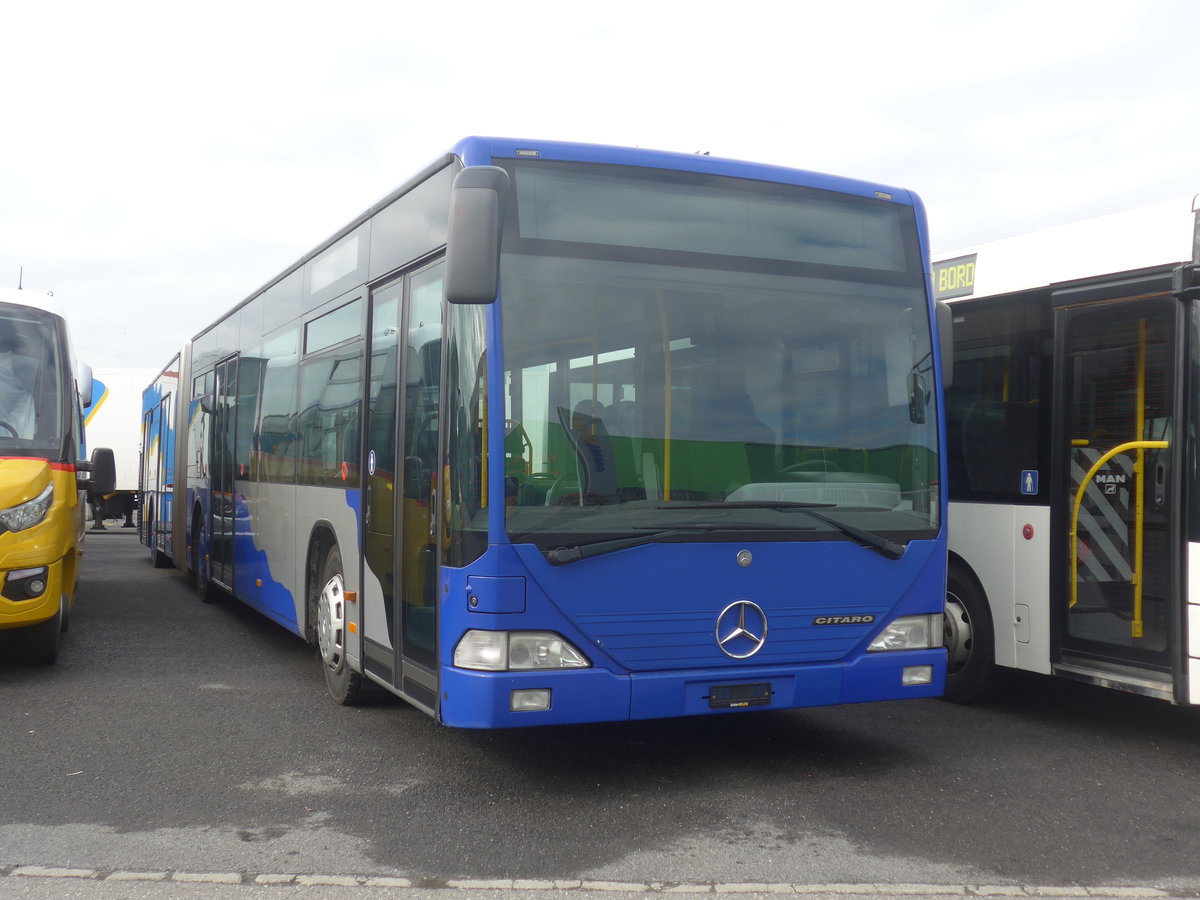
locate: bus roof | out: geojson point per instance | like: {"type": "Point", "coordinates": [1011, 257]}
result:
{"type": "Point", "coordinates": [1155, 235]}
{"type": "Point", "coordinates": [32, 299]}
{"type": "Point", "coordinates": [481, 150]}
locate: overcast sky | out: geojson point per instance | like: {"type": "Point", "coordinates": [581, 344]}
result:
{"type": "Point", "coordinates": [160, 161]}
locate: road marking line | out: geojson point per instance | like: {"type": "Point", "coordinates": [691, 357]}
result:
{"type": "Point", "coordinates": [48, 872]}
{"type": "Point", "coordinates": [848, 889]}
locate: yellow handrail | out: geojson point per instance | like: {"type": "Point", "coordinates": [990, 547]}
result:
{"type": "Point", "coordinates": [1083, 485]}
{"type": "Point", "coordinates": [1136, 628]}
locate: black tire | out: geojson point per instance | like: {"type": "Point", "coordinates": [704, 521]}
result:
{"type": "Point", "coordinates": [327, 607]}
{"type": "Point", "coordinates": [205, 589]}
{"type": "Point", "coordinates": [972, 675]}
{"type": "Point", "coordinates": [43, 640]}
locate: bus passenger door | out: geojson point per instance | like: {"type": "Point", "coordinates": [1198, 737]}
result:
{"type": "Point", "coordinates": [380, 637]}
{"type": "Point", "coordinates": [151, 514]}
{"type": "Point", "coordinates": [222, 506]}
{"type": "Point", "coordinates": [1117, 502]}
{"type": "Point", "coordinates": [403, 438]}
{"type": "Point", "coordinates": [417, 514]}
{"type": "Point", "coordinates": [149, 484]}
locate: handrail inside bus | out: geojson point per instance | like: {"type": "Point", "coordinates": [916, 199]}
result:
{"type": "Point", "coordinates": [1087, 479]}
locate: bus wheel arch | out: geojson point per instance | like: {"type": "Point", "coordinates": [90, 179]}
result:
{"type": "Point", "coordinates": [326, 620]}
{"type": "Point", "coordinates": [970, 638]}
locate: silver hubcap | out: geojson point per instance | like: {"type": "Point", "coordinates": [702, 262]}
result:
{"type": "Point", "coordinates": [957, 631]}
{"type": "Point", "coordinates": [331, 623]}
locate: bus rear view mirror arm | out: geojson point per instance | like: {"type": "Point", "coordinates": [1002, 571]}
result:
{"type": "Point", "coordinates": [477, 204]}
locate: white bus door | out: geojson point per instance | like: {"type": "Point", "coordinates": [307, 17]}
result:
{"type": "Point", "coordinates": [1116, 504]}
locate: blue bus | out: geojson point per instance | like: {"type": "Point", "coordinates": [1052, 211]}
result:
{"type": "Point", "coordinates": [566, 433]}
{"type": "Point", "coordinates": [156, 480]}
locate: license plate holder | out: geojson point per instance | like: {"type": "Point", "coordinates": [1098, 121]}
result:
{"type": "Point", "coordinates": [739, 696]}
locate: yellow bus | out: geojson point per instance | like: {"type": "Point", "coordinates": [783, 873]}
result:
{"type": "Point", "coordinates": [43, 475]}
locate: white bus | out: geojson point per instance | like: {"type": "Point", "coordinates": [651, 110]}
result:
{"type": "Point", "coordinates": [1073, 462]}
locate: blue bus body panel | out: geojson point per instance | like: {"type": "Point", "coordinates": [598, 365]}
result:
{"type": "Point", "coordinates": [646, 618]}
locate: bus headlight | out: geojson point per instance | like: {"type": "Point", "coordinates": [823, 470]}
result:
{"type": "Point", "coordinates": [500, 651]}
{"type": "Point", "coordinates": [909, 633]}
{"type": "Point", "coordinates": [29, 513]}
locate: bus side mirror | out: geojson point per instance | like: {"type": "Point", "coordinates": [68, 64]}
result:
{"type": "Point", "coordinates": [945, 323]}
{"type": "Point", "coordinates": [477, 203]}
{"type": "Point", "coordinates": [99, 476]}
{"type": "Point", "coordinates": [85, 385]}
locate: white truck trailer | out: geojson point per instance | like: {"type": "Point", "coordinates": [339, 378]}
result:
{"type": "Point", "coordinates": [114, 419]}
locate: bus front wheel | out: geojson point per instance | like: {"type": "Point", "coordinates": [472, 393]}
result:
{"type": "Point", "coordinates": [971, 671]}
{"type": "Point", "coordinates": [42, 640]}
{"type": "Point", "coordinates": [345, 685]}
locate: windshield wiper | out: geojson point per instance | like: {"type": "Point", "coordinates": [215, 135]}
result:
{"type": "Point", "coordinates": [867, 539]}
{"type": "Point", "coordinates": [562, 555]}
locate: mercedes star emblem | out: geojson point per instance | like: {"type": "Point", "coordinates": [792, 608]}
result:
{"type": "Point", "coordinates": [741, 629]}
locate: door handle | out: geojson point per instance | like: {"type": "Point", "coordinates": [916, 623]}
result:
{"type": "Point", "coordinates": [1160, 483]}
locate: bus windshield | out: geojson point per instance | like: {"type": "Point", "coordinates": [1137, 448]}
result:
{"type": "Point", "coordinates": [703, 353]}
{"type": "Point", "coordinates": [31, 409]}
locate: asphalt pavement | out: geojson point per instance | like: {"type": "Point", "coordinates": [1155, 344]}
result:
{"type": "Point", "coordinates": [176, 741]}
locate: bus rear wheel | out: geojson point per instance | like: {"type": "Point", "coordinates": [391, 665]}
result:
{"type": "Point", "coordinates": [205, 589]}
{"type": "Point", "coordinates": [345, 685]}
{"type": "Point", "coordinates": [970, 639]}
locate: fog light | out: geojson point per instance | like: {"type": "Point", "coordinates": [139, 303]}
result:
{"type": "Point", "coordinates": [526, 700]}
{"type": "Point", "coordinates": [917, 675]}
{"type": "Point", "coordinates": [25, 584]}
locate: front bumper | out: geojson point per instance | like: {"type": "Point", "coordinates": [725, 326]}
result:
{"type": "Point", "coordinates": [471, 699]}
{"type": "Point", "coordinates": [22, 613]}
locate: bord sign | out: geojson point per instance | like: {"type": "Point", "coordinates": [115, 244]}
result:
{"type": "Point", "coordinates": [954, 277]}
